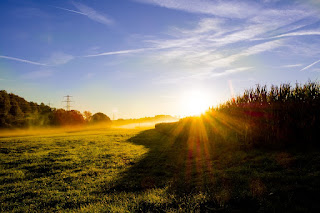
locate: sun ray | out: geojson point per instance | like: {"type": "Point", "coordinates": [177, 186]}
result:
{"type": "Point", "coordinates": [194, 102]}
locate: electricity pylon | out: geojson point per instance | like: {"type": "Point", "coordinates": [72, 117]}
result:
{"type": "Point", "coordinates": [68, 102]}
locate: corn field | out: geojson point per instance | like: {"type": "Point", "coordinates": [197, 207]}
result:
{"type": "Point", "coordinates": [281, 116]}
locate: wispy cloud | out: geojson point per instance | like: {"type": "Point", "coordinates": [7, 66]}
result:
{"type": "Point", "coordinates": [55, 59]}
{"type": "Point", "coordinates": [214, 41]}
{"type": "Point", "coordinates": [59, 58]}
{"type": "Point", "coordinates": [263, 47]}
{"type": "Point", "coordinates": [22, 60]}
{"type": "Point", "coordinates": [227, 61]}
{"type": "Point", "coordinates": [203, 53]}
{"type": "Point", "coordinates": [233, 9]}
{"type": "Point", "coordinates": [220, 44]}
{"type": "Point", "coordinates": [292, 65]}
{"type": "Point", "coordinates": [217, 46]}
{"type": "Point", "coordinates": [231, 71]}
{"type": "Point", "coordinates": [203, 75]}
{"type": "Point", "coordinates": [121, 52]}
{"type": "Point", "coordinates": [73, 11]}
{"type": "Point", "coordinates": [307, 67]}
{"type": "Point", "coordinates": [205, 25]}
{"type": "Point", "coordinates": [93, 14]}
{"type": "Point", "coordinates": [292, 34]}
{"type": "Point", "coordinates": [89, 12]}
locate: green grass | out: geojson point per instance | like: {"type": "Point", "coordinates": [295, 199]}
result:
{"type": "Point", "coordinates": [121, 170]}
{"type": "Point", "coordinates": [63, 171]}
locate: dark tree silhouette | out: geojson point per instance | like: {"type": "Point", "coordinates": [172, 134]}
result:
{"type": "Point", "coordinates": [100, 117]}
{"type": "Point", "coordinates": [62, 117]}
{"type": "Point", "coordinates": [17, 112]}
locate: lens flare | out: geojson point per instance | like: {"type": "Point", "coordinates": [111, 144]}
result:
{"type": "Point", "coordinates": [194, 102]}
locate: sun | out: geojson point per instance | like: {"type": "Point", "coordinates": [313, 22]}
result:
{"type": "Point", "coordinates": [194, 102]}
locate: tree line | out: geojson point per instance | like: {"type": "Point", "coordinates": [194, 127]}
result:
{"type": "Point", "coordinates": [16, 112]}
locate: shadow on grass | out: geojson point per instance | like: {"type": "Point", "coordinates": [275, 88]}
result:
{"type": "Point", "coordinates": [185, 171]}
{"type": "Point", "coordinates": [231, 179]}
{"type": "Point", "coordinates": [180, 158]}
{"type": "Point", "coordinates": [156, 168]}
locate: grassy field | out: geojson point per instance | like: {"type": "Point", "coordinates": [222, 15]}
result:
{"type": "Point", "coordinates": [141, 170]}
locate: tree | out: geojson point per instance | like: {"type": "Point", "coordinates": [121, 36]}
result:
{"type": "Point", "coordinates": [63, 117]}
{"type": "Point", "coordinates": [76, 117]}
{"type": "Point", "coordinates": [100, 117]}
{"type": "Point", "coordinates": [17, 118]}
{"type": "Point", "coordinates": [5, 106]}
{"type": "Point", "coordinates": [87, 116]}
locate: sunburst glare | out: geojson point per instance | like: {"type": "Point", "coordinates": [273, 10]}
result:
{"type": "Point", "coordinates": [194, 102]}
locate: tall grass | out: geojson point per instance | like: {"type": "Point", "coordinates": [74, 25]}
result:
{"type": "Point", "coordinates": [281, 116]}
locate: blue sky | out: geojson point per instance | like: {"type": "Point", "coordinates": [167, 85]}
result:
{"type": "Point", "coordinates": [136, 58]}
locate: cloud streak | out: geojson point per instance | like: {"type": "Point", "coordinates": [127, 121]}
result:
{"type": "Point", "coordinates": [121, 52]}
{"type": "Point", "coordinates": [230, 71]}
{"type": "Point", "coordinates": [301, 33]}
{"type": "Point", "coordinates": [92, 14]}
{"type": "Point", "coordinates": [292, 65]}
{"type": "Point", "coordinates": [73, 11]}
{"type": "Point", "coordinates": [231, 9]}
{"type": "Point", "coordinates": [23, 60]}
{"type": "Point", "coordinates": [293, 34]}
{"type": "Point", "coordinates": [307, 67]}
{"type": "Point", "coordinates": [89, 12]}
{"type": "Point", "coordinates": [57, 58]}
